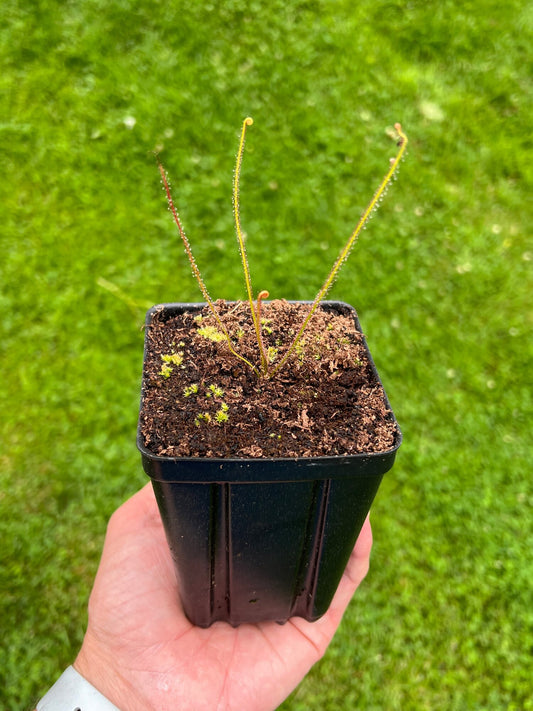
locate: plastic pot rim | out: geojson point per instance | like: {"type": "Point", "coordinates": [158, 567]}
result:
{"type": "Point", "coordinates": [265, 469]}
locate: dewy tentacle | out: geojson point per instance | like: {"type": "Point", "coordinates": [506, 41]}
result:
{"type": "Point", "coordinates": [196, 271]}
{"type": "Point", "coordinates": [242, 248]}
{"type": "Point", "coordinates": [372, 205]}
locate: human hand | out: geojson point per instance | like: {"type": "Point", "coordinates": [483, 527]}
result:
{"type": "Point", "coordinates": [143, 654]}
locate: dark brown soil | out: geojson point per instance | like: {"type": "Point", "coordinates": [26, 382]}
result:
{"type": "Point", "coordinates": [325, 401]}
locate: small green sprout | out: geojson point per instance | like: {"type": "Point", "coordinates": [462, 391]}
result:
{"type": "Point", "coordinates": [211, 333]}
{"type": "Point", "coordinates": [175, 358]}
{"type": "Point", "coordinates": [202, 417]}
{"type": "Point", "coordinates": [165, 371]}
{"type": "Point", "coordinates": [266, 327]}
{"type": "Point", "coordinates": [300, 351]}
{"type": "Point", "coordinates": [190, 390]}
{"type": "Point", "coordinates": [272, 354]}
{"type": "Point", "coordinates": [221, 415]}
{"type": "Point", "coordinates": [214, 391]}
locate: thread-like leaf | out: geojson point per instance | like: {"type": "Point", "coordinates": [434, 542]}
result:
{"type": "Point", "coordinates": [196, 271]}
{"type": "Point", "coordinates": [242, 247]}
{"type": "Point", "coordinates": [345, 251]}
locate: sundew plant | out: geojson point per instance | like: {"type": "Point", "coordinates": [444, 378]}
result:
{"type": "Point", "coordinates": [265, 369]}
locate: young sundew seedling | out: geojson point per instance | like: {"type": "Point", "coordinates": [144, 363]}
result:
{"type": "Point", "coordinates": [269, 364]}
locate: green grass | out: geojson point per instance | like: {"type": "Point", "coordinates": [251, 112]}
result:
{"type": "Point", "coordinates": [441, 279]}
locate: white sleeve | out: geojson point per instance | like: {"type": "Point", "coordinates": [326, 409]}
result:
{"type": "Point", "coordinates": [72, 692]}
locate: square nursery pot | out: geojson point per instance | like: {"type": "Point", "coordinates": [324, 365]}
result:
{"type": "Point", "coordinates": [262, 539]}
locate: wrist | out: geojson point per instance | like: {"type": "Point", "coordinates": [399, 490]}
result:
{"type": "Point", "coordinates": [100, 672]}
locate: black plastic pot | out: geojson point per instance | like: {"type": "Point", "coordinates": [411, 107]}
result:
{"type": "Point", "coordinates": [262, 539]}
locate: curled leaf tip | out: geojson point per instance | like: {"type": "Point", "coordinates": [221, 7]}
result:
{"type": "Point", "coordinates": [248, 120]}
{"type": "Point", "coordinates": [402, 137]}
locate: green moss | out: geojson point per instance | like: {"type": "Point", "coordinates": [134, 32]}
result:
{"type": "Point", "coordinates": [221, 415]}
{"type": "Point", "coordinates": [211, 333]}
{"type": "Point", "coordinates": [202, 417]}
{"type": "Point", "coordinates": [174, 358]}
{"type": "Point", "coordinates": [190, 390]}
{"type": "Point", "coordinates": [214, 391]}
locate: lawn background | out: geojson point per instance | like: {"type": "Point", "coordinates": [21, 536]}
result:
{"type": "Point", "coordinates": [441, 280]}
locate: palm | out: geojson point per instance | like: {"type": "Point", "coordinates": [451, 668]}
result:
{"type": "Point", "coordinates": [151, 656]}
